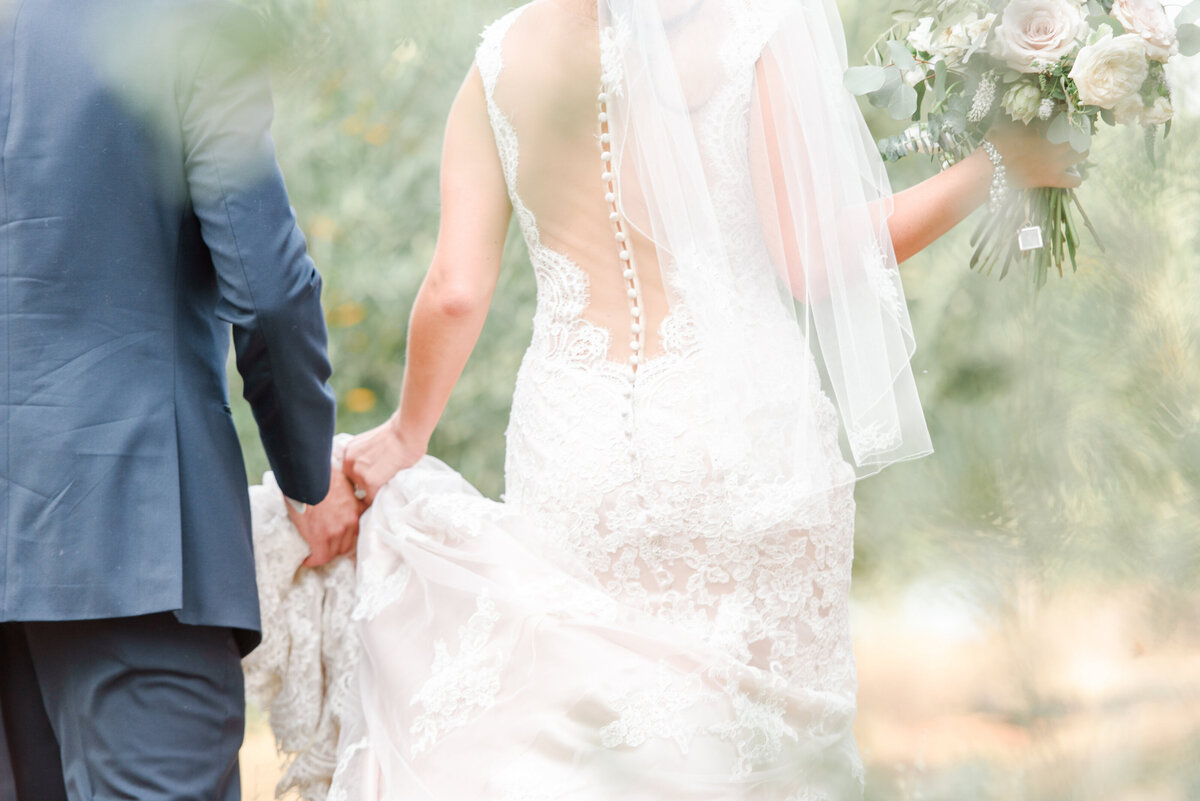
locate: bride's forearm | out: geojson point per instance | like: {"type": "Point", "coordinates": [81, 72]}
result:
{"type": "Point", "coordinates": [923, 213]}
{"type": "Point", "coordinates": [445, 325]}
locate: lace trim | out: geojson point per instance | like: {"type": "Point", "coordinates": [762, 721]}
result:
{"type": "Point", "coordinates": [563, 288]}
{"type": "Point", "coordinates": [884, 281]}
{"type": "Point", "coordinates": [875, 438]}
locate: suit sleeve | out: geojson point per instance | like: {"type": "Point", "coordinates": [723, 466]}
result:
{"type": "Point", "coordinates": [270, 290]}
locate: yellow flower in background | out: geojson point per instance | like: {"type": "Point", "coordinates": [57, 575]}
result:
{"type": "Point", "coordinates": [353, 125]}
{"type": "Point", "coordinates": [405, 52]}
{"type": "Point", "coordinates": [322, 227]}
{"type": "Point", "coordinates": [377, 134]}
{"type": "Point", "coordinates": [359, 400]}
{"type": "Point", "coordinates": [346, 314]}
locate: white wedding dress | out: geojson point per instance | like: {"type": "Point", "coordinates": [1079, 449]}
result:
{"type": "Point", "coordinates": [657, 611]}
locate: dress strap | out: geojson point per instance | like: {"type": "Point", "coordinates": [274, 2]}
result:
{"type": "Point", "coordinates": [489, 58]}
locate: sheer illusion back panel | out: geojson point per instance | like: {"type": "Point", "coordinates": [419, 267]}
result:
{"type": "Point", "coordinates": [550, 117]}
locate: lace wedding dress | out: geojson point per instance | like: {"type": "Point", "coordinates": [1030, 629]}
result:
{"type": "Point", "coordinates": [658, 608]}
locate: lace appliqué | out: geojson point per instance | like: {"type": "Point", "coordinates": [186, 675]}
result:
{"type": "Point", "coordinates": [658, 711]}
{"type": "Point", "coordinates": [462, 685]}
{"type": "Point", "coordinates": [872, 439]}
{"type": "Point", "coordinates": [883, 280]}
{"type": "Point", "coordinates": [758, 731]}
{"type": "Point", "coordinates": [613, 41]}
{"type": "Point", "coordinates": [559, 329]}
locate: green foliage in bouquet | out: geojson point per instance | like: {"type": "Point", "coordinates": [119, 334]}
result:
{"type": "Point", "coordinates": [957, 67]}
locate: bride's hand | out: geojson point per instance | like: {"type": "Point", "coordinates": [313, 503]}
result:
{"type": "Point", "coordinates": [1032, 161]}
{"type": "Point", "coordinates": [374, 457]}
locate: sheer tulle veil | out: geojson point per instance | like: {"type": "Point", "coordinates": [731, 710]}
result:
{"type": "Point", "coordinates": [814, 270]}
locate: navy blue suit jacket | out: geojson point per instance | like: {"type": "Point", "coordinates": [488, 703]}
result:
{"type": "Point", "coordinates": [142, 218]}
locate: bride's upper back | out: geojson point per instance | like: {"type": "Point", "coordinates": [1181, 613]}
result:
{"type": "Point", "coordinates": [541, 71]}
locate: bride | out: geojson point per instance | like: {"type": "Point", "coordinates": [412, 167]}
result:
{"type": "Point", "coordinates": [658, 608]}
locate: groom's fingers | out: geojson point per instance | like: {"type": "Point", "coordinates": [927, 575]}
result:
{"type": "Point", "coordinates": [318, 555]}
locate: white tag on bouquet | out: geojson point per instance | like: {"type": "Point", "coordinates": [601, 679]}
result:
{"type": "Point", "coordinates": [1030, 237]}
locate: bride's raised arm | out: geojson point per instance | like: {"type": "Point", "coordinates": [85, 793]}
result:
{"type": "Point", "coordinates": [917, 216]}
{"type": "Point", "coordinates": [452, 304]}
{"type": "Point", "coordinates": [926, 211]}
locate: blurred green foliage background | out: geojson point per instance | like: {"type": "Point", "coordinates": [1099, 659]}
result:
{"type": "Point", "coordinates": [1066, 423]}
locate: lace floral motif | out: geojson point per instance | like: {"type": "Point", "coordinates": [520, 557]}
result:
{"type": "Point", "coordinates": [613, 41]}
{"type": "Point", "coordinates": [378, 587]}
{"type": "Point", "coordinates": [758, 731]}
{"type": "Point", "coordinates": [882, 279]}
{"type": "Point", "coordinates": [874, 438]}
{"type": "Point", "coordinates": [460, 685]}
{"type": "Point", "coordinates": [559, 329]}
{"type": "Point", "coordinates": [302, 674]}
{"type": "Point", "coordinates": [658, 711]}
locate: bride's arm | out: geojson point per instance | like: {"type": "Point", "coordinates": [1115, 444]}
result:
{"type": "Point", "coordinates": [453, 301]}
{"type": "Point", "coordinates": [923, 213]}
{"type": "Point", "coordinates": [919, 215]}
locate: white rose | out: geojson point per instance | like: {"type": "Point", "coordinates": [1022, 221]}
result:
{"type": "Point", "coordinates": [1111, 70]}
{"type": "Point", "coordinates": [921, 37]}
{"type": "Point", "coordinates": [1148, 19]}
{"type": "Point", "coordinates": [956, 43]}
{"type": "Point", "coordinates": [1160, 113]}
{"type": "Point", "coordinates": [1034, 34]}
{"type": "Point", "coordinates": [1128, 110]}
{"type": "Point", "coordinates": [977, 30]}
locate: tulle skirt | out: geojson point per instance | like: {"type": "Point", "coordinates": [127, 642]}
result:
{"type": "Point", "coordinates": [458, 659]}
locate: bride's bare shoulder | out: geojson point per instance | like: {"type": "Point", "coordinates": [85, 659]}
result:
{"type": "Point", "coordinates": [549, 42]}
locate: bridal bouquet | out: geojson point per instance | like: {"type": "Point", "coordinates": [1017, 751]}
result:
{"type": "Point", "coordinates": [1065, 66]}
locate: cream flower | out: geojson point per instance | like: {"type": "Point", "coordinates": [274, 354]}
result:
{"type": "Point", "coordinates": [1148, 19]}
{"type": "Point", "coordinates": [1111, 70]}
{"type": "Point", "coordinates": [1128, 110]}
{"type": "Point", "coordinates": [1158, 114]}
{"type": "Point", "coordinates": [1034, 34]}
{"type": "Point", "coordinates": [1022, 102]}
{"type": "Point", "coordinates": [951, 44]}
{"type": "Point", "coordinates": [921, 37]}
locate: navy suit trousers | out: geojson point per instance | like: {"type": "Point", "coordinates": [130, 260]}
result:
{"type": "Point", "coordinates": [143, 707]}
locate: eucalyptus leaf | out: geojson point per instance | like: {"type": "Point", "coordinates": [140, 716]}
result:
{"type": "Point", "coordinates": [901, 56]}
{"type": "Point", "coordinates": [903, 103]}
{"type": "Point", "coordinates": [939, 81]}
{"type": "Point", "coordinates": [1189, 14]}
{"type": "Point", "coordinates": [1059, 131]}
{"type": "Point", "coordinates": [882, 97]}
{"type": "Point", "coordinates": [1189, 39]}
{"type": "Point", "coordinates": [1080, 136]}
{"type": "Point", "coordinates": [863, 80]}
{"type": "Point", "coordinates": [1097, 20]}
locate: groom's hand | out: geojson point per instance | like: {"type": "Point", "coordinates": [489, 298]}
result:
{"type": "Point", "coordinates": [330, 527]}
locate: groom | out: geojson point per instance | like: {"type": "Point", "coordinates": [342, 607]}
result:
{"type": "Point", "coordinates": [141, 214]}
